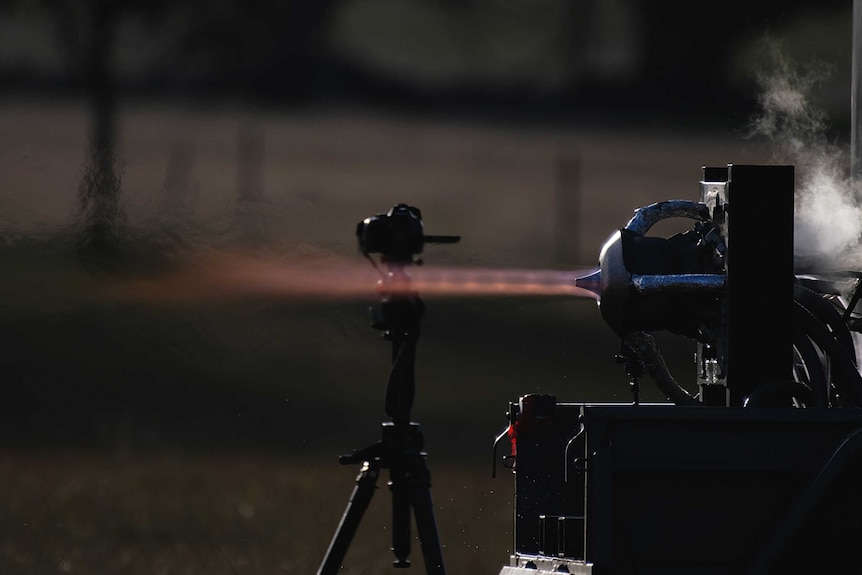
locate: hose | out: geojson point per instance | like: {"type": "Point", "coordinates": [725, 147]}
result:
{"type": "Point", "coordinates": [813, 375]}
{"type": "Point", "coordinates": [828, 315]}
{"type": "Point", "coordinates": [644, 346]}
{"type": "Point", "coordinates": [778, 393]}
{"type": "Point", "coordinates": [847, 377]}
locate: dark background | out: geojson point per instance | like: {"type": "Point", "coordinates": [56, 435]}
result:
{"type": "Point", "coordinates": [512, 65]}
{"type": "Point", "coordinates": [202, 437]}
{"type": "Point", "coordinates": [626, 60]}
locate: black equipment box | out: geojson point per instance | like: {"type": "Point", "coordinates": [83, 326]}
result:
{"type": "Point", "coordinates": [654, 488]}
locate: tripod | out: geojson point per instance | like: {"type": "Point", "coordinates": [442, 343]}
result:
{"type": "Point", "coordinates": [399, 450]}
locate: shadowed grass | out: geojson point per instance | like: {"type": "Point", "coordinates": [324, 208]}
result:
{"type": "Point", "coordinates": [224, 512]}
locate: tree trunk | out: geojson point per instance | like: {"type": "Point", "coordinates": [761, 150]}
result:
{"type": "Point", "coordinates": [99, 190]}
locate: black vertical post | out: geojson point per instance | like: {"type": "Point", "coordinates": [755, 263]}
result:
{"type": "Point", "coordinates": [249, 184]}
{"type": "Point", "coordinates": [567, 210]}
{"type": "Point", "coordinates": [759, 277]}
{"type": "Point", "coordinates": [249, 171]}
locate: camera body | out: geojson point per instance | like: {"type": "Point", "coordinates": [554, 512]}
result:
{"type": "Point", "coordinates": [398, 235]}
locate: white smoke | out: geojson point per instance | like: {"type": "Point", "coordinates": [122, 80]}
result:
{"type": "Point", "coordinates": [828, 213]}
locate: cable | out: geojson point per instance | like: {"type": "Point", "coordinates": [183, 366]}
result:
{"type": "Point", "coordinates": [766, 394]}
{"type": "Point", "coordinates": [819, 325]}
{"type": "Point", "coordinates": [847, 377]}
{"type": "Point", "coordinates": [829, 316]}
{"type": "Point", "coordinates": [644, 346]}
{"type": "Point", "coordinates": [813, 375]}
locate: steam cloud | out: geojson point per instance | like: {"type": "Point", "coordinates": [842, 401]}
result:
{"type": "Point", "coordinates": [827, 209]}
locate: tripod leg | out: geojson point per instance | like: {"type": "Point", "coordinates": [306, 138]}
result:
{"type": "Point", "coordinates": [360, 498]}
{"type": "Point", "coordinates": [400, 489]}
{"type": "Point", "coordinates": [426, 525]}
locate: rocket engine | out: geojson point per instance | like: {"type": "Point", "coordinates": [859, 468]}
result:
{"type": "Point", "coordinates": [719, 284]}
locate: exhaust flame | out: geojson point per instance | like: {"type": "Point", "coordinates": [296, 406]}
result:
{"type": "Point", "coordinates": [234, 275]}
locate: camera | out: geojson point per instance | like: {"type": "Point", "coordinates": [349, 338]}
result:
{"type": "Point", "coordinates": [397, 235]}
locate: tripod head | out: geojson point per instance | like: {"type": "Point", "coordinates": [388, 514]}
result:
{"type": "Point", "coordinates": [398, 236]}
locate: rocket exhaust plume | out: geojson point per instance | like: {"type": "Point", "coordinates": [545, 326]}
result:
{"type": "Point", "coordinates": [221, 276]}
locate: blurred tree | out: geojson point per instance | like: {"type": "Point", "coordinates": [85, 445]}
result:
{"type": "Point", "coordinates": [256, 49]}
{"type": "Point", "coordinates": [619, 56]}
{"type": "Point", "coordinates": [260, 49]}
{"type": "Point", "coordinates": [99, 190]}
{"type": "Point", "coordinates": [87, 33]}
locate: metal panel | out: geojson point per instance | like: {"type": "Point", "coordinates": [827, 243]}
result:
{"type": "Point", "coordinates": [759, 277]}
{"type": "Point", "coordinates": [698, 488]}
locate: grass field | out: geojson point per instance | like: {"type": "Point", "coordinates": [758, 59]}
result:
{"type": "Point", "coordinates": [224, 512]}
{"type": "Point", "coordinates": [202, 437]}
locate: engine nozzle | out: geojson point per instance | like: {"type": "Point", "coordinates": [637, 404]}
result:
{"type": "Point", "coordinates": [650, 283]}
